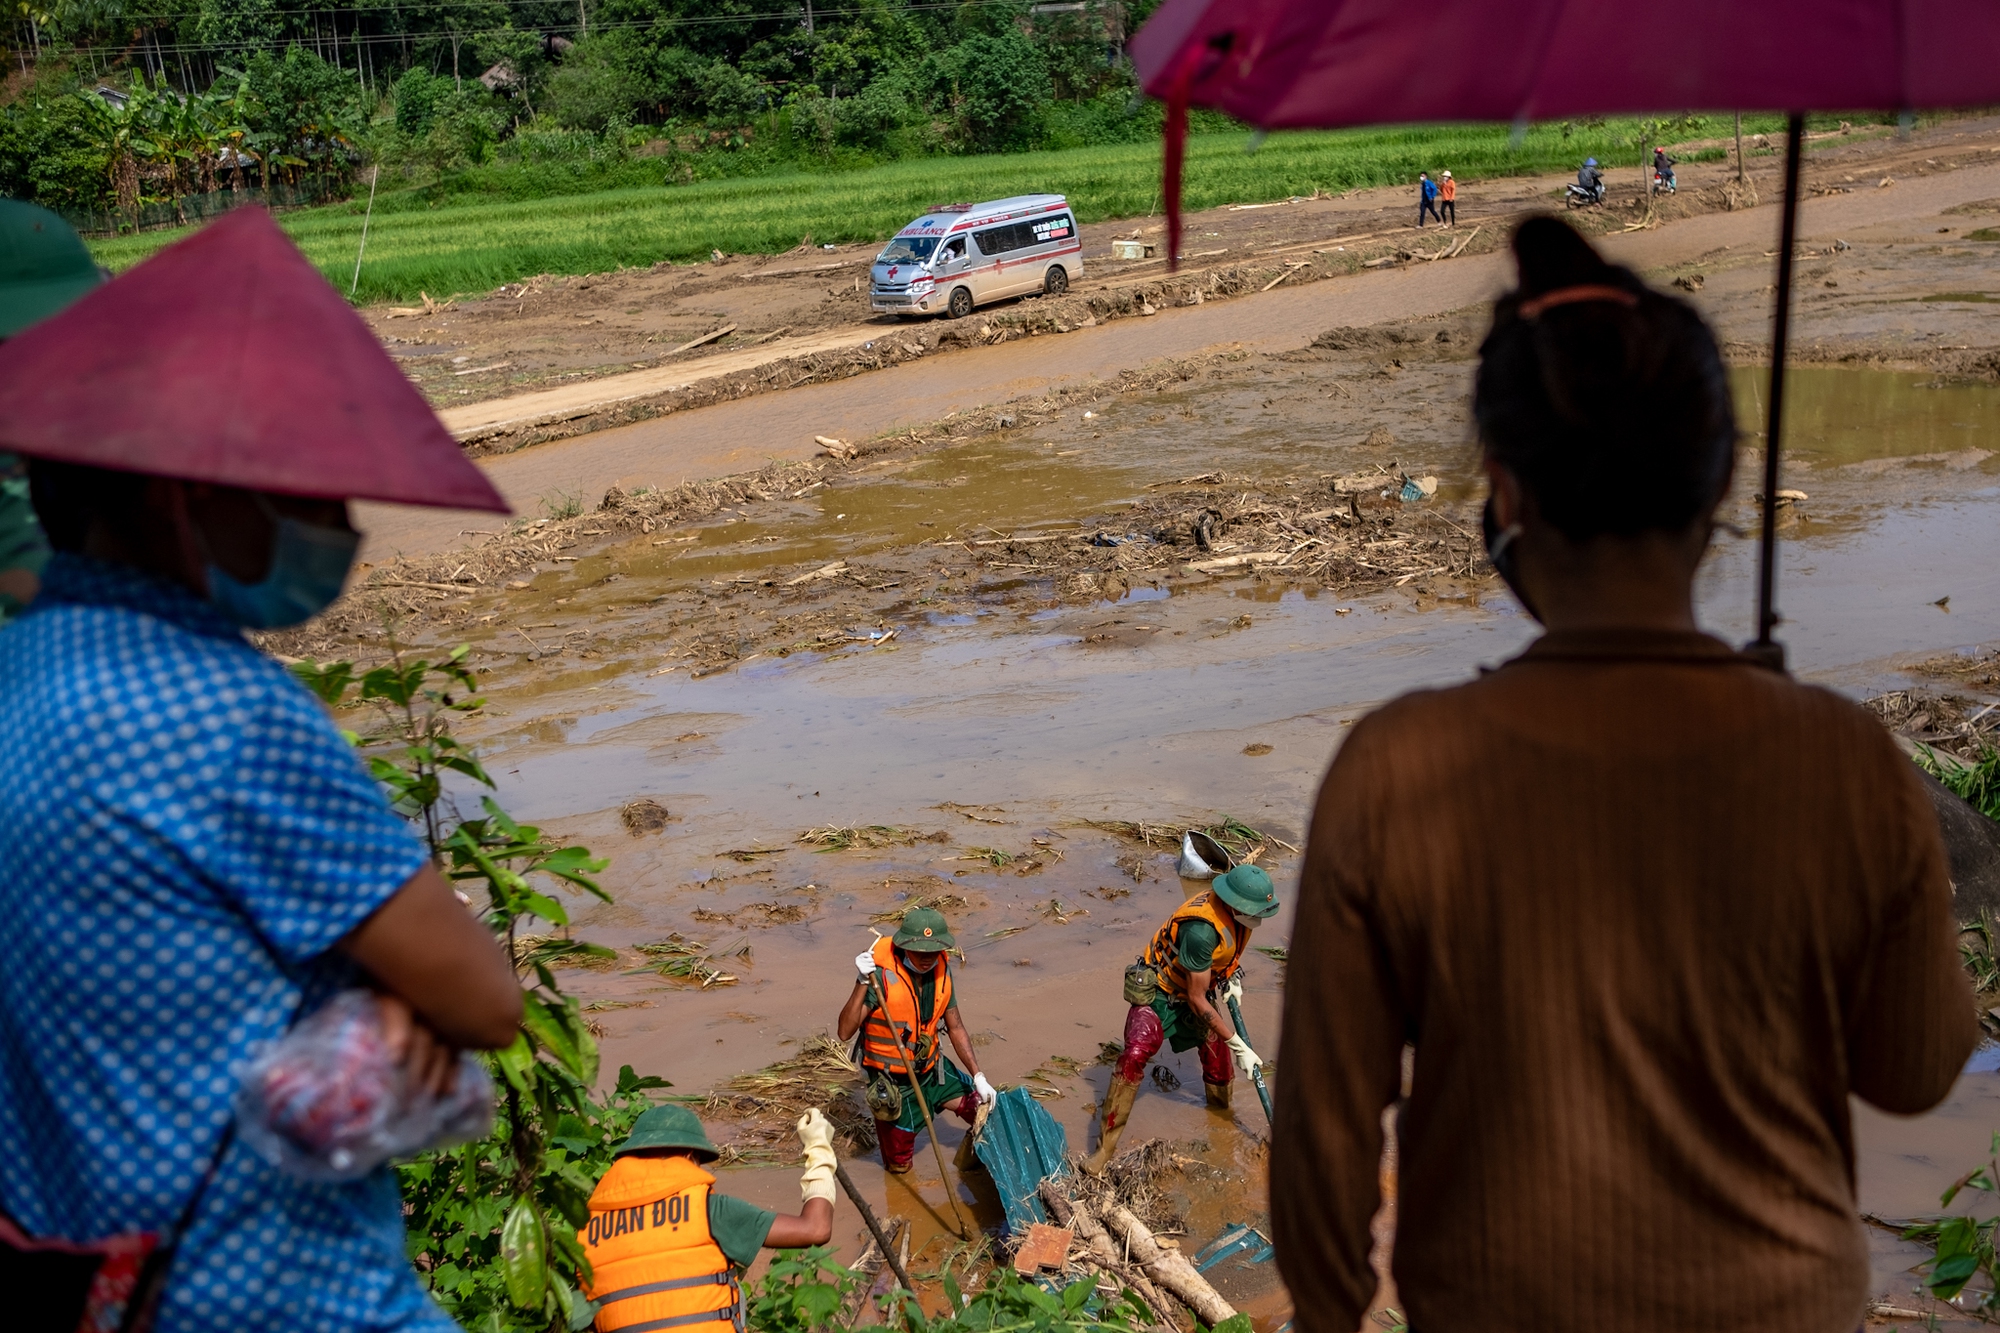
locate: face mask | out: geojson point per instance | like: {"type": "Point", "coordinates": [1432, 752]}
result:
{"type": "Point", "coordinates": [309, 566]}
{"type": "Point", "coordinates": [1500, 550]}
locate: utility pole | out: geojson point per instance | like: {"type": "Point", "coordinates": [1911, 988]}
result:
{"type": "Point", "coordinates": [582, 20]}
{"type": "Point", "coordinates": [1740, 177]}
{"type": "Point", "coordinates": [809, 15]}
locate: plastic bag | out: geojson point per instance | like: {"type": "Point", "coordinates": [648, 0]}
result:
{"type": "Point", "coordinates": [328, 1102]}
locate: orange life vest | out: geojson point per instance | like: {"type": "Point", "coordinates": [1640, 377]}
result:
{"type": "Point", "coordinates": [1164, 953]}
{"type": "Point", "coordinates": [653, 1263]}
{"type": "Point", "coordinates": [920, 1039]}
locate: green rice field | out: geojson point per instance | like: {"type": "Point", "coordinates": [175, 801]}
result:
{"type": "Point", "coordinates": [475, 246]}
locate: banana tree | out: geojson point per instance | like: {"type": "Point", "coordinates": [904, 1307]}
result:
{"type": "Point", "coordinates": [115, 131]}
{"type": "Point", "coordinates": [493, 1224]}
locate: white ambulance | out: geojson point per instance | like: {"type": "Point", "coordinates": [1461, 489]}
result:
{"type": "Point", "coordinates": [958, 256]}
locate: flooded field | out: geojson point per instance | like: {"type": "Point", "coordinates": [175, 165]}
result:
{"type": "Point", "coordinates": [994, 641]}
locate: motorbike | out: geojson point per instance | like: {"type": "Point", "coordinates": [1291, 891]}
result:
{"type": "Point", "coordinates": [1663, 184]}
{"type": "Point", "coordinates": [1580, 196]}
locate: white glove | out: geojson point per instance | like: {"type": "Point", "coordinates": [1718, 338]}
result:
{"type": "Point", "coordinates": [1232, 989]}
{"type": "Point", "coordinates": [1248, 1062]}
{"type": "Point", "coordinates": [864, 962]}
{"type": "Point", "coordinates": [816, 1133]}
{"type": "Point", "coordinates": [985, 1090]}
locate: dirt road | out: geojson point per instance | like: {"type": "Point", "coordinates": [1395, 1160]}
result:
{"type": "Point", "coordinates": [738, 436]}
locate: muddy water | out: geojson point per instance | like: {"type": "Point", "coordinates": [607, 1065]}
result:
{"type": "Point", "coordinates": [1004, 713]}
{"type": "Point", "coordinates": [1835, 416]}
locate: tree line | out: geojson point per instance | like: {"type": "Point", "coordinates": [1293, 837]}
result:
{"type": "Point", "coordinates": [124, 105]}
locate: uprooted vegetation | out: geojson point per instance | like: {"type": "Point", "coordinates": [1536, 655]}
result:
{"type": "Point", "coordinates": [1347, 530]}
{"type": "Point", "coordinates": [1244, 843]}
{"type": "Point", "coordinates": [763, 1105]}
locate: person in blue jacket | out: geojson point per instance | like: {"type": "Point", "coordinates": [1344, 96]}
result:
{"type": "Point", "coordinates": [1427, 193]}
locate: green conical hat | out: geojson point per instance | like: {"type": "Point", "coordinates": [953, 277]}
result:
{"type": "Point", "coordinates": [669, 1127]}
{"type": "Point", "coordinates": [924, 931]}
{"type": "Point", "coordinates": [1248, 890]}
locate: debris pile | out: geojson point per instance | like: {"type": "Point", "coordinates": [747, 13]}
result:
{"type": "Point", "coordinates": [1962, 727]}
{"type": "Point", "coordinates": [765, 1104]}
{"type": "Point", "coordinates": [1115, 1225]}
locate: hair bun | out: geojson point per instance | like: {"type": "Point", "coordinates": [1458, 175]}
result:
{"type": "Point", "coordinates": [1551, 256]}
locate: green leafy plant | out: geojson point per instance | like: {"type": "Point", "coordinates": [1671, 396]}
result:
{"type": "Point", "coordinates": [493, 1224]}
{"type": "Point", "coordinates": [1963, 1246]}
{"type": "Point", "coordinates": [1976, 949]}
{"type": "Point", "coordinates": [804, 1290]}
{"type": "Point", "coordinates": [1977, 783]}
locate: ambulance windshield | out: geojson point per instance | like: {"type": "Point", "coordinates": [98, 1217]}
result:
{"type": "Point", "coordinates": [908, 250]}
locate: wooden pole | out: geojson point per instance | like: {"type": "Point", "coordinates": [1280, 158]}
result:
{"type": "Point", "coordinates": [923, 1104]}
{"type": "Point", "coordinates": [874, 1227]}
{"type": "Point", "coordinates": [1740, 177]}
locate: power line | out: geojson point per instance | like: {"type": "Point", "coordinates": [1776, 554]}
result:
{"type": "Point", "coordinates": [434, 6]}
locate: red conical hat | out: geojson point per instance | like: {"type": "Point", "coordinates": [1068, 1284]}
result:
{"type": "Point", "coordinates": [227, 358]}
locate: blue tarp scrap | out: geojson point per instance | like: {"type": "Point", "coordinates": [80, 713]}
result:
{"type": "Point", "coordinates": [1022, 1145]}
{"type": "Point", "coordinates": [1236, 1239]}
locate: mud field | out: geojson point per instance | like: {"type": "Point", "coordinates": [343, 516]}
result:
{"type": "Point", "coordinates": [983, 660]}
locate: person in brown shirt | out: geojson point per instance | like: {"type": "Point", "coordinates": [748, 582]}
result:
{"type": "Point", "coordinates": [1647, 912]}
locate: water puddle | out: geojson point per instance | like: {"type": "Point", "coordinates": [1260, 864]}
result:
{"type": "Point", "coordinates": [1840, 416]}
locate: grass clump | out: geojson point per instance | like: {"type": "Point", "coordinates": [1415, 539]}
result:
{"type": "Point", "coordinates": [936, 902]}
{"type": "Point", "coordinates": [1977, 783]}
{"type": "Point", "coordinates": [683, 959]}
{"type": "Point", "coordinates": [834, 838]}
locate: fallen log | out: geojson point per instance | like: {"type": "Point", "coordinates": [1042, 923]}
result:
{"type": "Point", "coordinates": [1103, 1252]}
{"type": "Point", "coordinates": [1169, 1269]}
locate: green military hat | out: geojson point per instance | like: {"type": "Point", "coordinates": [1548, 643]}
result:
{"type": "Point", "coordinates": [669, 1127]}
{"type": "Point", "coordinates": [1248, 890]}
{"type": "Point", "coordinates": [44, 265]}
{"type": "Point", "coordinates": [924, 931]}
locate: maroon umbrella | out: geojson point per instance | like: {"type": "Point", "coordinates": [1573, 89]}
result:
{"type": "Point", "coordinates": [227, 358]}
{"type": "Point", "coordinates": [1294, 64]}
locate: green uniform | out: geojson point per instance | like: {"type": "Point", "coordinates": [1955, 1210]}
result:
{"type": "Point", "coordinates": [1185, 1030]}
{"type": "Point", "coordinates": [738, 1228]}
{"type": "Point", "coordinates": [945, 1083]}
{"type": "Point", "coordinates": [22, 545]}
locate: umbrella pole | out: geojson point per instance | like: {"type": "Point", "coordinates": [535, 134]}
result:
{"type": "Point", "coordinates": [1767, 649]}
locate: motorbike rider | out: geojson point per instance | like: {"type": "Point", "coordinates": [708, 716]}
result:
{"type": "Point", "coordinates": [1663, 168]}
{"type": "Point", "coordinates": [1591, 179]}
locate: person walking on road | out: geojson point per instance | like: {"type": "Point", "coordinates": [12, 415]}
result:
{"type": "Point", "coordinates": [910, 972]}
{"type": "Point", "coordinates": [1447, 201]}
{"type": "Point", "coordinates": [1427, 193]}
{"type": "Point", "coordinates": [665, 1249]}
{"type": "Point", "coordinates": [199, 854]}
{"type": "Point", "coordinates": [1178, 992]}
{"type": "Point", "coordinates": [1648, 911]}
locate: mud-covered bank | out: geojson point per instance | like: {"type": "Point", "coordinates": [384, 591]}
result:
{"type": "Point", "coordinates": [987, 644]}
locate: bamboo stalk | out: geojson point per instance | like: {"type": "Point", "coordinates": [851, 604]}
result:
{"type": "Point", "coordinates": [1169, 1268]}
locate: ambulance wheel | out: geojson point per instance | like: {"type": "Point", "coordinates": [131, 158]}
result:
{"type": "Point", "coordinates": [960, 304]}
{"type": "Point", "coordinates": [1057, 281]}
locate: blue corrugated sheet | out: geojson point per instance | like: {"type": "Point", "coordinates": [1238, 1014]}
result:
{"type": "Point", "coordinates": [1021, 1146]}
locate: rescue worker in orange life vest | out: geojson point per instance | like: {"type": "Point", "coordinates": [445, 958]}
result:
{"type": "Point", "coordinates": [915, 978]}
{"type": "Point", "coordinates": [1178, 991]}
{"type": "Point", "coordinates": [665, 1249]}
